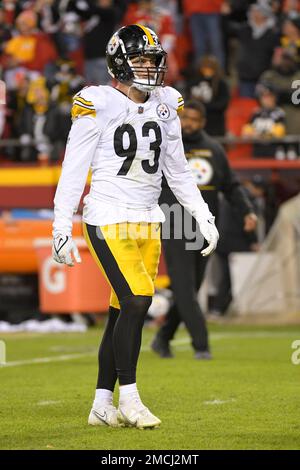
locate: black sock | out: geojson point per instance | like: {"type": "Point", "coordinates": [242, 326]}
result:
{"type": "Point", "coordinates": [107, 374]}
{"type": "Point", "coordinates": [127, 336]}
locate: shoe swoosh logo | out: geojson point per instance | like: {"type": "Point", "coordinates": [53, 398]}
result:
{"type": "Point", "coordinates": [101, 416]}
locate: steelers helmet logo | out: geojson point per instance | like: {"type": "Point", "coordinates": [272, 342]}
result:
{"type": "Point", "coordinates": [163, 111]}
{"type": "Point", "coordinates": [202, 170]}
{"type": "Point", "coordinates": [113, 45]}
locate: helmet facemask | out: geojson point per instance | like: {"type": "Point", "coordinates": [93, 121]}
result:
{"type": "Point", "coordinates": [146, 78]}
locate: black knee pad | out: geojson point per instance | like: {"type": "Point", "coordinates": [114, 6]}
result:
{"type": "Point", "coordinates": [137, 304]}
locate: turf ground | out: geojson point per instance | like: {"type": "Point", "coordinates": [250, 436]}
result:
{"type": "Point", "coordinates": [246, 398]}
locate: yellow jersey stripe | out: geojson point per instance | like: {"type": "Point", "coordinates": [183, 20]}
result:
{"type": "Point", "coordinates": [78, 103]}
{"type": "Point", "coordinates": [148, 34]}
{"type": "Point", "coordinates": [93, 253]}
{"type": "Point", "coordinates": [82, 111]}
{"type": "Point", "coordinates": [83, 101]}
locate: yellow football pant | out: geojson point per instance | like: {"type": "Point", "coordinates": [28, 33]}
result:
{"type": "Point", "coordinates": [128, 255]}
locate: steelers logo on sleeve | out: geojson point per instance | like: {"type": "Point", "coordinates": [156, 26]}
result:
{"type": "Point", "coordinates": [202, 171]}
{"type": "Point", "coordinates": [163, 111]}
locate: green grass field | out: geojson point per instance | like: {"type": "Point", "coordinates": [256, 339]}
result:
{"type": "Point", "coordinates": [248, 397]}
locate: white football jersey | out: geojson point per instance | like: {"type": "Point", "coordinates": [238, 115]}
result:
{"type": "Point", "coordinates": [127, 146]}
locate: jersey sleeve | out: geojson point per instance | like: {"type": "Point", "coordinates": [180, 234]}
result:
{"type": "Point", "coordinates": [179, 176]}
{"type": "Point", "coordinates": [174, 99]}
{"type": "Point", "coordinates": [81, 146]}
{"type": "Point", "coordinates": [82, 107]}
{"type": "Point", "coordinates": [84, 104]}
{"type": "Point", "coordinates": [88, 102]}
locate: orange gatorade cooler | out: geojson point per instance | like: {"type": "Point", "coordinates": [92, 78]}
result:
{"type": "Point", "coordinates": [62, 289]}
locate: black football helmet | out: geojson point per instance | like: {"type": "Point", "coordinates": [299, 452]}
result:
{"type": "Point", "coordinates": [136, 41]}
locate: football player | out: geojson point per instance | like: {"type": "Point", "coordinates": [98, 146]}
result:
{"type": "Point", "coordinates": [128, 135]}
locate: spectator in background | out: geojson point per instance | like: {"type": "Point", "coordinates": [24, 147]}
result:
{"type": "Point", "coordinates": [11, 9]}
{"type": "Point", "coordinates": [291, 8]}
{"type": "Point", "coordinates": [277, 9]}
{"type": "Point", "coordinates": [30, 49]}
{"type": "Point", "coordinates": [49, 18]}
{"type": "Point", "coordinates": [205, 24]}
{"type": "Point", "coordinates": [234, 12]}
{"type": "Point", "coordinates": [5, 30]}
{"type": "Point", "coordinates": [62, 19]}
{"type": "Point", "coordinates": [290, 39]}
{"type": "Point", "coordinates": [101, 19]}
{"type": "Point", "coordinates": [186, 266]}
{"type": "Point", "coordinates": [257, 40]}
{"type": "Point", "coordinates": [267, 122]}
{"type": "Point", "coordinates": [39, 124]}
{"type": "Point", "coordinates": [280, 78]}
{"type": "Point", "coordinates": [16, 101]}
{"type": "Point", "coordinates": [147, 13]}
{"type": "Point", "coordinates": [209, 87]}
{"type": "Point", "coordinates": [64, 85]}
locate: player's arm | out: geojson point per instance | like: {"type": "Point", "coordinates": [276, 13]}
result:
{"type": "Point", "coordinates": [81, 146]}
{"type": "Point", "coordinates": [181, 182]}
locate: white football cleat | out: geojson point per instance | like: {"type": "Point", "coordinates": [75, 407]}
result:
{"type": "Point", "coordinates": [135, 414]}
{"type": "Point", "coordinates": [104, 415]}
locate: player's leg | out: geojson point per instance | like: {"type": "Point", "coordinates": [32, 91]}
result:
{"type": "Point", "coordinates": [181, 266]}
{"type": "Point", "coordinates": [103, 412]}
{"type": "Point", "coordinates": [129, 326]}
{"type": "Point", "coordinates": [161, 341]}
{"type": "Point", "coordinates": [148, 241]}
{"type": "Point", "coordinates": [119, 256]}
{"type": "Point", "coordinates": [150, 249]}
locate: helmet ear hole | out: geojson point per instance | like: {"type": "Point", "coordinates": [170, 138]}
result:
{"type": "Point", "coordinates": [119, 62]}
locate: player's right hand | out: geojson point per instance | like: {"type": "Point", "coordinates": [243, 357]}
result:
{"type": "Point", "coordinates": [211, 235]}
{"type": "Point", "coordinates": [64, 250]}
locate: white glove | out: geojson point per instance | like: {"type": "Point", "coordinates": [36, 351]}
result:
{"type": "Point", "coordinates": [63, 248]}
{"type": "Point", "coordinates": [211, 235]}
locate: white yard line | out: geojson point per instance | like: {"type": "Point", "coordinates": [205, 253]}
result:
{"type": "Point", "coordinates": [69, 357]}
{"type": "Point", "coordinates": [218, 402]}
{"type": "Point", "coordinates": [178, 342]}
{"type": "Point", "coordinates": [46, 360]}
{"type": "Point", "coordinates": [48, 402]}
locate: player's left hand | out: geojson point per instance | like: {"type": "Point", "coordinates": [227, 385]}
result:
{"type": "Point", "coordinates": [211, 235]}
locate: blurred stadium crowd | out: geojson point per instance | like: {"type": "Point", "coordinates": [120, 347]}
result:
{"type": "Point", "coordinates": [219, 51]}
{"type": "Point", "coordinates": [240, 58]}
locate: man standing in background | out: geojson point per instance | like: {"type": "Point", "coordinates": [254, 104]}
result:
{"type": "Point", "coordinates": [186, 267]}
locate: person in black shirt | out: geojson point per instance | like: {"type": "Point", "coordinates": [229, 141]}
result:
{"type": "Point", "coordinates": [186, 267]}
{"type": "Point", "coordinates": [209, 87]}
{"type": "Point", "coordinates": [100, 21]}
{"type": "Point", "coordinates": [258, 38]}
